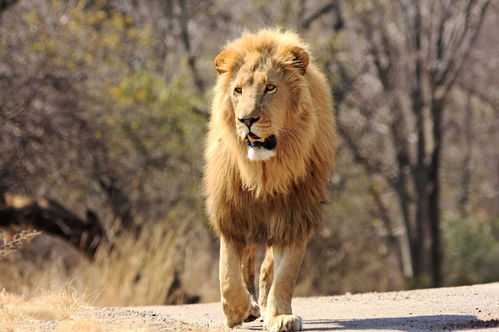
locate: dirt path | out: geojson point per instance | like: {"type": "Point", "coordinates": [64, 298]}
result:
{"type": "Point", "coordinates": [442, 309]}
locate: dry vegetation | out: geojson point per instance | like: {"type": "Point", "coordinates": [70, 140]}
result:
{"type": "Point", "coordinates": [103, 106]}
{"type": "Point", "coordinates": [63, 311]}
{"type": "Point", "coordinates": [140, 271]}
{"type": "Point", "coordinates": [12, 242]}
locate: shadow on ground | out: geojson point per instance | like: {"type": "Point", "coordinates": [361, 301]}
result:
{"type": "Point", "coordinates": [411, 323]}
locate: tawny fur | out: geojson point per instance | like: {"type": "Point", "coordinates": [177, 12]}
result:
{"type": "Point", "coordinates": [280, 200]}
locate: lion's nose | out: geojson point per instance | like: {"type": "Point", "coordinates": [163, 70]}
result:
{"type": "Point", "coordinates": [249, 121]}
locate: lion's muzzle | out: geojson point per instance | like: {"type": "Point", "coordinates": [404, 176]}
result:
{"type": "Point", "coordinates": [254, 141]}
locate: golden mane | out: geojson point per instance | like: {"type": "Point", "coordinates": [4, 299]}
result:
{"type": "Point", "coordinates": [291, 187]}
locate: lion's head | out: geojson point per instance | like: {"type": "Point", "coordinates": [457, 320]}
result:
{"type": "Point", "coordinates": [263, 90]}
{"type": "Point", "coordinates": [268, 104]}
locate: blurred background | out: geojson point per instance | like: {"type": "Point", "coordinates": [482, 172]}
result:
{"type": "Point", "coordinates": [103, 113]}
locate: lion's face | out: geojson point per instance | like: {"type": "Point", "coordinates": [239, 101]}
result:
{"type": "Point", "coordinates": [260, 102]}
{"type": "Point", "coordinates": [259, 82]}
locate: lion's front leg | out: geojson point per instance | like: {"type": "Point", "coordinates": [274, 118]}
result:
{"type": "Point", "coordinates": [279, 315]}
{"type": "Point", "coordinates": [235, 298]}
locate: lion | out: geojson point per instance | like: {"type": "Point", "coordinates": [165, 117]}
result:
{"type": "Point", "coordinates": [270, 150]}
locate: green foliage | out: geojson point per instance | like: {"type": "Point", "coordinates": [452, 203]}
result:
{"type": "Point", "coordinates": [472, 250]}
{"type": "Point", "coordinates": [142, 104]}
{"type": "Point", "coordinates": [82, 35]}
{"type": "Point", "coordinates": [131, 123]}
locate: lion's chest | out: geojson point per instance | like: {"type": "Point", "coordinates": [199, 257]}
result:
{"type": "Point", "coordinates": [278, 218]}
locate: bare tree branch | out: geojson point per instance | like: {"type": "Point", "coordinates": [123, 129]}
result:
{"type": "Point", "coordinates": [334, 6]}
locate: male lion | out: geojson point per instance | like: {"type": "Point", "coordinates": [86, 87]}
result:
{"type": "Point", "coordinates": [270, 150]}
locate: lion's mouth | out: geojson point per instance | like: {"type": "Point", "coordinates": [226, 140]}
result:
{"type": "Point", "coordinates": [253, 141]}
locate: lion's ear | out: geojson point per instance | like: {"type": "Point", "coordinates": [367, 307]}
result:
{"type": "Point", "coordinates": [222, 61]}
{"type": "Point", "coordinates": [296, 57]}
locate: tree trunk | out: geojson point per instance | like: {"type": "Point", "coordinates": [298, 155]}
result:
{"type": "Point", "coordinates": [466, 168]}
{"type": "Point", "coordinates": [421, 241]}
{"type": "Point", "coordinates": [434, 192]}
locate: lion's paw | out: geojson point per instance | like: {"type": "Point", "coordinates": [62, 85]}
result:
{"type": "Point", "coordinates": [253, 312]}
{"type": "Point", "coordinates": [233, 316]}
{"type": "Point", "coordinates": [263, 310]}
{"type": "Point", "coordinates": [281, 323]}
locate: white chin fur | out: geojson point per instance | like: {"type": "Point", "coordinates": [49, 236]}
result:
{"type": "Point", "coordinates": [260, 154]}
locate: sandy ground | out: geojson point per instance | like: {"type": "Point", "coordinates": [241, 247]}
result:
{"type": "Point", "coordinates": [464, 308]}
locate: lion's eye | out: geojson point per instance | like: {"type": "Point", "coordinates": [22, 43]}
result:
{"type": "Point", "coordinates": [270, 88]}
{"type": "Point", "coordinates": [238, 90]}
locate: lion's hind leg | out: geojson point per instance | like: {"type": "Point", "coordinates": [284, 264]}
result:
{"type": "Point", "coordinates": [265, 280]}
{"type": "Point", "coordinates": [248, 271]}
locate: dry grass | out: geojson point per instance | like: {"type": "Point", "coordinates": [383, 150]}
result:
{"type": "Point", "coordinates": [16, 241]}
{"type": "Point", "coordinates": [137, 271]}
{"type": "Point", "coordinates": [58, 312]}
{"type": "Point", "coordinates": [63, 311]}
